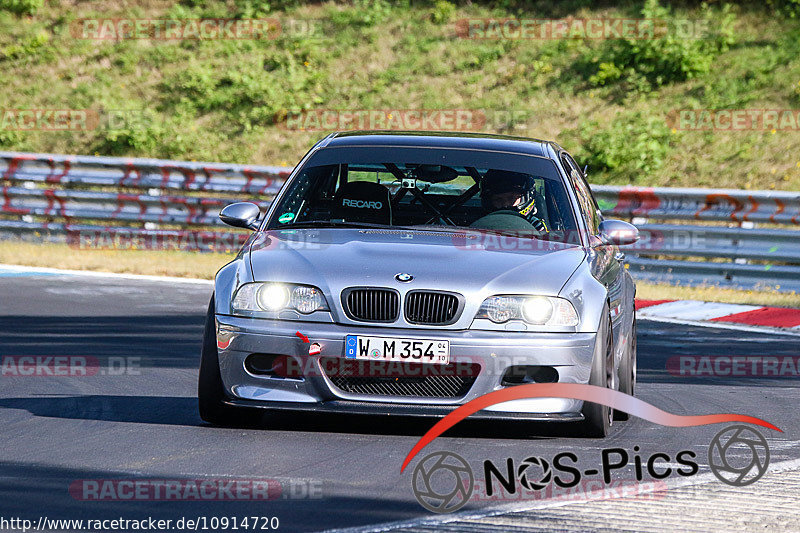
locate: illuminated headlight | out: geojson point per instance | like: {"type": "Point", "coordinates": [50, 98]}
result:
{"type": "Point", "coordinates": [272, 297]}
{"type": "Point", "coordinates": [539, 310]}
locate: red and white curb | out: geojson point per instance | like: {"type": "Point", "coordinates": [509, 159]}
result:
{"type": "Point", "coordinates": [781, 320]}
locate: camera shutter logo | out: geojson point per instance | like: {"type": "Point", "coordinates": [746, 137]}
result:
{"type": "Point", "coordinates": [442, 482]}
{"type": "Point", "coordinates": [527, 467]}
{"type": "Point", "coordinates": [738, 455]}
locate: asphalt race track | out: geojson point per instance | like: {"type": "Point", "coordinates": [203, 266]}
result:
{"type": "Point", "coordinates": [139, 420]}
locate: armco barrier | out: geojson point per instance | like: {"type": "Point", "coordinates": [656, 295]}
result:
{"type": "Point", "coordinates": [727, 205]}
{"type": "Point", "coordinates": [699, 249]}
{"type": "Point", "coordinates": [688, 235]}
{"type": "Point", "coordinates": [137, 203]}
{"type": "Point", "coordinates": [93, 171]}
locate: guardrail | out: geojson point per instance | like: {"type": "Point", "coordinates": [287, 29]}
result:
{"type": "Point", "coordinates": [699, 235]}
{"type": "Point", "coordinates": [727, 205]}
{"type": "Point", "coordinates": [737, 254]}
{"type": "Point", "coordinates": [143, 203]}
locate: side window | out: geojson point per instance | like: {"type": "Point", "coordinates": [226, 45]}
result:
{"type": "Point", "coordinates": [589, 209]}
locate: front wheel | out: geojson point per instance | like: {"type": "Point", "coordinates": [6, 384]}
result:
{"type": "Point", "coordinates": [599, 418]}
{"type": "Point", "coordinates": [210, 389]}
{"type": "Point", "coordinates": [627, 370]}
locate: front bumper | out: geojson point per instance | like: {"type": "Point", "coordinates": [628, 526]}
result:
{"type": "Point", "coordinates": [494, 352]}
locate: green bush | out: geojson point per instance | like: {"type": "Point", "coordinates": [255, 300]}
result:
{"type": "Point", "coordinates": [10, 138]}
{"type": "Point", "coordinates": [135, 136]}
{"type": "Point", "coordinates": [630, 145]}
{"type": "Point", "coordinates": [21, 7]}
{"type": "Point", "coordinates": [608, 72]}
{"type": "Point", "coordinates": [30, 48]}
{"type": "Point", "coordinates": [443, 11]}
{"type": "Point", "coordinates": [790, 8]}
{"type": "Point", "coordinates": [668, 58]}
{"type": "Point", "coordinates": [257, 92]}
{"type": "Point", "coordinates": [147, 133]}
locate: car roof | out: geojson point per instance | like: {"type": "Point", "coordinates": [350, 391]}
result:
{"type": "Point", "coordinates": [441, 139]}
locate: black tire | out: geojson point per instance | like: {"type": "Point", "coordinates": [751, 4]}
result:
{"type": "Point", "coordinates": [598, 419]}
{"type": "Point", "coordinates": [627, 371]}
{"type": "Point", "coordinates": [210, 390]}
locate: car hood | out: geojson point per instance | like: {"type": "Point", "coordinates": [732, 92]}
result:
{"type": "Point", "coordinates": [471, 263]}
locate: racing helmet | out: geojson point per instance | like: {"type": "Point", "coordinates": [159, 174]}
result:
{"type": "Point", "coordinates": [496, 182]}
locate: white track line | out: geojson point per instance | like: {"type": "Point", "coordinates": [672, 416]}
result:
{"type": "Point", "coordinates": [138, 277]}
{"type": "Point", "coordinates": [792, 464]}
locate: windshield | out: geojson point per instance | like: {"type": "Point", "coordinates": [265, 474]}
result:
{"type": "Point", "coordinates": [514, 193]}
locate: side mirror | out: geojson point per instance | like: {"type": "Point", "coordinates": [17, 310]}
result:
{"type": "Point", "coordinates": [618, 232]}
{"type": "Point", "coordinates": [241, 215]}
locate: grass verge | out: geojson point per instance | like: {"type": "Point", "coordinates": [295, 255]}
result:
{"type": "Point", "coordinates": [662, 291]}
{"type": "Point", "coordinates": [150, 262]}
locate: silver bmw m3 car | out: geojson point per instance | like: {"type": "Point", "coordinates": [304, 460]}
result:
{"type": "Point", "coordinates": [408, 273]}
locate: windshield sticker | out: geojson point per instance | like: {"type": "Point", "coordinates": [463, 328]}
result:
{"type": "Point", "coordinates": [286, 217]}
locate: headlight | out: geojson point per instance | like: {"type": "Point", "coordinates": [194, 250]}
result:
{"type": "Point", "coordinates": [307, 299]}
{"type": "Point", "coordinates": [539, 310]}
{"type": "Point", "coordinates": [272, 297]}
{"type": "Point", "coordinates": [536, 310]}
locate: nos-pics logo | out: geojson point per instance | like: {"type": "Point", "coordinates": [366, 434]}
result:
{"type": "Point", "coordinates": [444, 482]}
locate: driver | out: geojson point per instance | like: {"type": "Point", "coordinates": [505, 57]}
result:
{"type": "Point", "coordinates": [510, 201]}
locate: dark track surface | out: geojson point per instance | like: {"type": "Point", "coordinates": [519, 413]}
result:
{"type": "Point", "coordinates": [56, 430]}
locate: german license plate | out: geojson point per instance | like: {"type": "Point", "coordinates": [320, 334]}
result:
{"type": "Point", "coordinates": [430, 351]}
